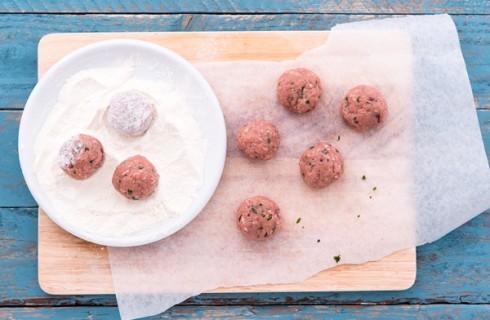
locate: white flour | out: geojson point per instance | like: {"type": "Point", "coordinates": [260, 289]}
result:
{"type": "Point", "coordinates": [174, 144]}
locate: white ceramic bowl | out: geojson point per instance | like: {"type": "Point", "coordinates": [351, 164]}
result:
{"type": "Point", "coordinates": [112, 53]}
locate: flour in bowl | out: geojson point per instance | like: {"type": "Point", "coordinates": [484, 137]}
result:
{"type": "Point", "coordinates": [174, 144]}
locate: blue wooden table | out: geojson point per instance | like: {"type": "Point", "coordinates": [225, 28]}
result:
{"type": "Point", "coordinates": [453, 279]}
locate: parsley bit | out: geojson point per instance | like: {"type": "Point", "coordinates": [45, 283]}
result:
{"type": "Point", "coordinates": [318, 241]}
{"type": "Point", "coordinates": [338, 138]}
{"type": "Point", "coordinates": [269, 217]}
{"type": "Point", "coordinates": [358, 215]}
{"type": "Point", "coordinates": [298, 221]}
{"type": "Point", "coordinates": [374, 188]}
{"type": "Point", "coordinates": [337, 258]}
{"type": "Point", "coordinates": [363, 177]}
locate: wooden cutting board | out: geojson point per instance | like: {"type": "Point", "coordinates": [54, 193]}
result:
{"type": "Point", "coordinates": [69, 265]}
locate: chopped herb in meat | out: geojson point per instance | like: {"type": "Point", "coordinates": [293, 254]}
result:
{"type": "Point", "coordinates": [254, 210]}
{"type": "Point", "coordinates": [318, 241]}
{"type": "Point", "coordinates": [269, 217]}
{"type": "Point", "coordinates": [299, 220]}
{"type": "Point", "coordinates": [337, 258]}
{"type": "Point", "coordinates": [338, 138]}
{"type": "Point", "coordinates": [374, 188]}
{"type": "Point", "coordinates": [363, 177]}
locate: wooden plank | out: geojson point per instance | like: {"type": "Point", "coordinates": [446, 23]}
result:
{"type": "Point", "coordinates": [336, 312]}
{"type": "Point", "coordinates": [20, 35]}
{"type": "Point", "coordinates": [13, 189]}
{"type": "Point", "coordinates": [246, 6]}
{"type": "Point", "coordinates": [451, 270]}
{"type": "Point", "coordinates": [68, 265]}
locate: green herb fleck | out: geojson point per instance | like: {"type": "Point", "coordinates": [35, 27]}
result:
{"type": "Point", "coordinates": [253, 210]}
{"type": "Point", "coordinates": [374, 188]}
{"type": "Point", "coordinates": [130, 192]}
{"type": "Point", "coordinates": [263, 215]}
{"type": "Point", "coordinates": [358, 99]}
{"type": "Point", "coordinates": [346, 102]}
{"type": "Point", "coordinates": [273, 229]}
{"type": "Point", "coordinates": [318, 241]}
{"type": "Point", "coordinates": [268, 140]}
{"type": "Point", "coordinates": [298, 221]}
{"type": "Point", "coordinates": [269, 217]}
{"type": "Point", "coordinates": [358, 215]}
{"type": "Point", "coordinates": [363, 177]}
{"type": "Point", "coordinates": [338, 138]}
{"type": "Point", "coordinates": [337, 258]}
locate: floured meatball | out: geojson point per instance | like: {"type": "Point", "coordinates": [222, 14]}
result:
{"type": "Point", "coordinates": [81, 156]}
{"type": "Point", "coordinates": [258, 218]}
{"type": "Point", "coordinates": [135, 178]}
{"type": "Point", "coordinates": [299, 90]}
{"type": "Point", "coordinates": [321, 165]}
{"type": "Point", "coordinates": [364, 108]}
{"type": "Point", "coordinates": [259, 139]}
{"type": "Point", "coordinates": [130, 113]}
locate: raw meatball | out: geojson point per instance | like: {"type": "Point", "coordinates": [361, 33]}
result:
{"type": "Point", "coordinates": [258, 218]}
{"type": "Point", "coordinates": [364, 108]}
{"type": "Point", "coordinates": [321, 164]}
{"type": "Point", "coordinates": [81, 156]}
{"type": "Point", "coordinates": [130, 113]}
{"type": "Point", "coordinates": [299, 90]}
{"type": "Point", "coordinates": [259, 139]}
{"type": "Point", "coordinates": [135, 178]}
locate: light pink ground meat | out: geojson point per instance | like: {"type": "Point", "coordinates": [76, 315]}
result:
{"type": "Point", "coordinates": [299, 90]}
{"type": "Point", "coordinates": [81, 156]}
{"type": "Point", "coordinates": [135, 178]}
{"type": "Point", "coordinates": [364, 108]}
{"type": "Point", "coordinates": [321, 164]}
{"type": "Point", "coordinates": [258, 218]}
{"type": "Point", "coordinates": [130, 113]}
{"type": "Point", "coordinates": [259, 139]}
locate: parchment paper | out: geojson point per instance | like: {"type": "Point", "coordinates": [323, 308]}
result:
{"type": "Point", "coordinates": [427, 163]}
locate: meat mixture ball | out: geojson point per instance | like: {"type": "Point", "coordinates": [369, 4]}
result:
{"type": "Point", "coordinates": [364, 108]}
{"type": "Point", "coordinates": [81, 156]}
{"type": "Point", "coordinates": [321, 165]}
{"type": "Point", "coordinates": [130, 113]}
{"type": "Point", "coordinates": [299, 90]}
{"type": "Point", "coordinates": [259, 139]}
{"type": "Point", "coordinates": [258, 218]}
{"type": "Point", "coordinates": [135, 178]}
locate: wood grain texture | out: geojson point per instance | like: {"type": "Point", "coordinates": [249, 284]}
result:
{"type": "Point", "coordinates": [452, 270]}
{"type": "Point", "coordinates": [334, 312]}
{"type": "Point", "coordinates": [245, 6]}
{"type": "Point", "coordinates": [20, 34]}
{"type": "Point", "coordinates": [68, 265]}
